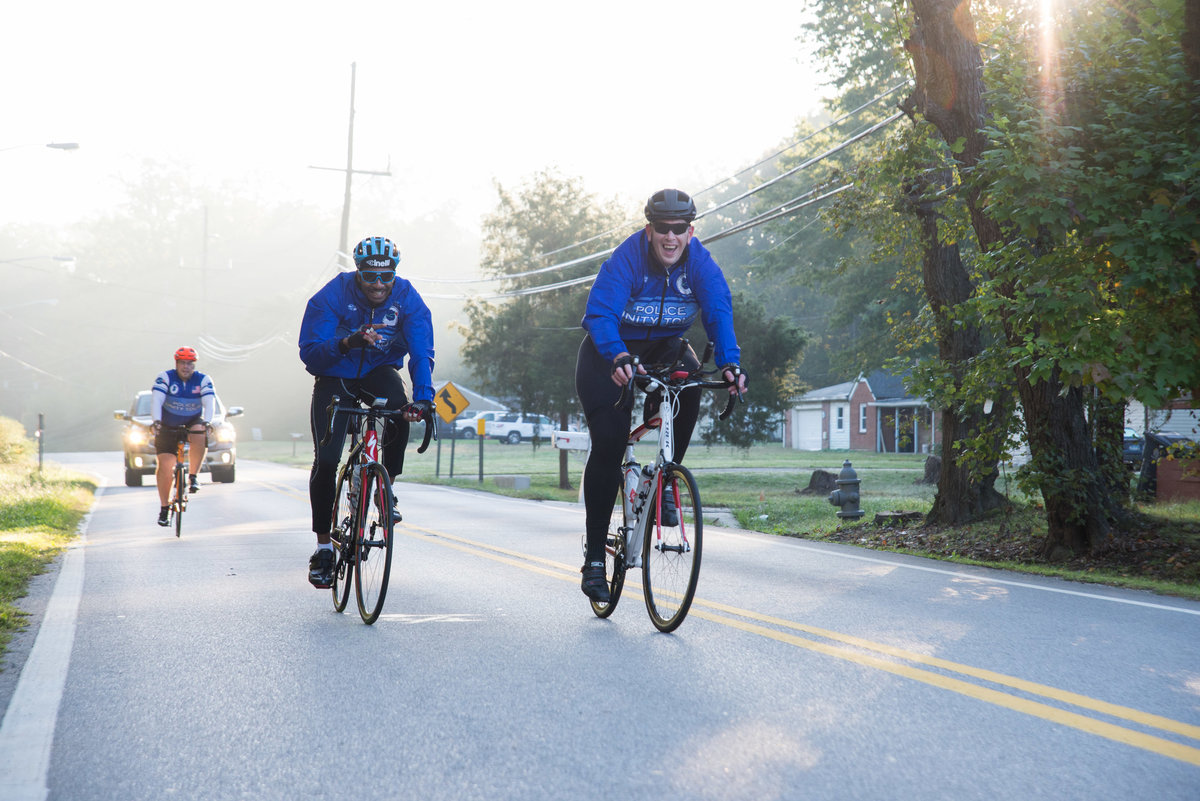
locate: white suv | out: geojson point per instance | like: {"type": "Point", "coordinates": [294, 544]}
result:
{"type": "Point", "coordinates": [512, 427]}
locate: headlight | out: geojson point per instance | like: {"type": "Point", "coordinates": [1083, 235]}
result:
{"type": "Point", "coordinates": [226, 434]}
{"type": "Point", "coordinates": [137, 436]}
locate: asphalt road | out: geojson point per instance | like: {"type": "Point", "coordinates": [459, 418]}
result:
{"type": "Point", "coordinates": [206, 667]}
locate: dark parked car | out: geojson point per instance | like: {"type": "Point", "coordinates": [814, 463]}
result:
{"type": "Point", "coordinates": [220, 461]}
{"type": "Point", "coordinates": [1132, 450]}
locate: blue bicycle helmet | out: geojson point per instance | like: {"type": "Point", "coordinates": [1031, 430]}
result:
{"type": "Point", "coordinates": [377, 253]}
{"type": "Point", "coordinates": [670, 204]}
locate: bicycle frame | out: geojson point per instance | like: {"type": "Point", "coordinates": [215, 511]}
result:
{"type": "Point", "coordinates": [635, 506]}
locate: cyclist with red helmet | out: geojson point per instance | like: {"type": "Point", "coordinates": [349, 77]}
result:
{"type": "Point", "coordinates": [180, 397]}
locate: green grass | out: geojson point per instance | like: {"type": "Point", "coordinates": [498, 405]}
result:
{"type": "Point", "coordinates": [39, 513]}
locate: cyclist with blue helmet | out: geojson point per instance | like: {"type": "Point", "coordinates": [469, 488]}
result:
{"type": "Point", "coordinates": [645, 297]}
{"type": "Point", "coordinates": [356, 333]}
{"type": "Point", "coordinates": [180, 397]}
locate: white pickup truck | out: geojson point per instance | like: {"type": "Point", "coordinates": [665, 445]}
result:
{"type": "Point", "coordinates": [512, 427]}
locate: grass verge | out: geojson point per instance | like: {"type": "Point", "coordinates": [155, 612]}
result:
{"type": "Point", "coordinates": [39, 514]}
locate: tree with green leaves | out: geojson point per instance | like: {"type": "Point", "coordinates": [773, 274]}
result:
{"type": "Point", "coordinates": [520, 344]}
{"type": "Point", "coordinates": [1080, 173]}
{"type": "Point", "coordinates": [775, 346]}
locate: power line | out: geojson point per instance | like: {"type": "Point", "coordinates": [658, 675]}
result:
{"type": "Point", "coordinates": [808, 163]}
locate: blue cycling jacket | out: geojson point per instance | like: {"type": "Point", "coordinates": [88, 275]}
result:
{"type": "Point", "coordinates": [635, 298]}
{"type": "Point", "coordinates": [339, 309]}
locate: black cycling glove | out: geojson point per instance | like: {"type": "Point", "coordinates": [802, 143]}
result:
{"type": "Point", "coordinates": [355, 340]}
{"type": "Point", "coordinates": [737, 370]}
{"type": "Point", "coordinates": [621, 361]}
{"type": "Point", "coordinates": [423, 407]}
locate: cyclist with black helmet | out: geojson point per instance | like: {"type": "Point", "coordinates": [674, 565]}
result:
{"type": "Point", "coordinates": [357, 331]}
{"type": "Point", "coordinates": [645, 297]}
{"type": "Point", "coordinates": [180, 397]}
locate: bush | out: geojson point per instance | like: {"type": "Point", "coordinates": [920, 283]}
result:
{"type": "Point", "coordinates": [14, 445]}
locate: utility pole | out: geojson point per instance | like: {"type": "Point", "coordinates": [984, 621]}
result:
{"type": "Point", "coordinates": [344, 242]}
{"type": "Point", "coordinates": [349, 165]}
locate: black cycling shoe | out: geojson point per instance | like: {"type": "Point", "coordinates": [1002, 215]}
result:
{"type": "Point", "coordinates": [320, 568]}
{"type": "Point", "coordinates": [164, 516]}
{"type": "Point", "coordinates": [193, 485]}
{"type": "Point", "coordinates": [595, 583]}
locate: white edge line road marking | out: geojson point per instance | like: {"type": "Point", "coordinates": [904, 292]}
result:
{"type": "Point", "coordinates": [27, 733]}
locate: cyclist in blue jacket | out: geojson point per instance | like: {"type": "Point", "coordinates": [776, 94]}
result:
{"type": "Point", "coordinates": [180, 397]}
{"type": "Point", "coordinates": [645, 297]}
{"type": "Point", "coordinates": [357, 331]}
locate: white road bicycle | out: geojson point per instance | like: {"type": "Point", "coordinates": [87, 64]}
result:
{"type": "Point", "coordinates": [662, 525]}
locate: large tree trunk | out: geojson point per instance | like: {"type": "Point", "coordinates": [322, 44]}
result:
{"type": "Point", "coordinates": [1190, 42]}
{"type": "Point", "coordinates": [949, 93]}
{"type": "Point", "coordinates": [959, 499]}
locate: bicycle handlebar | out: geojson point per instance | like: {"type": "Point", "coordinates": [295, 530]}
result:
{"type": "Point", "coordinates": [335, 406]}
{"type": "Point", "coordinates": [672, 376]}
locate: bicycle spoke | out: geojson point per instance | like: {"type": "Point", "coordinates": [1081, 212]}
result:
{"type": "Point", "coordinates": [671, 550]}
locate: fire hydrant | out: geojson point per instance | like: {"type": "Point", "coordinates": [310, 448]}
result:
{"type": "Point", "coordinates": [846, 495]}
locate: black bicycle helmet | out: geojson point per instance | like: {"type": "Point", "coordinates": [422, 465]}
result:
{"type": "Point", "coordinates": [670, 204]}
{"type": "Point", "coordinates": [376, 252]}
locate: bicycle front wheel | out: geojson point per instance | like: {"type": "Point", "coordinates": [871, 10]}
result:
{"type": "Point", "coordinates": [671, 549]}
{"type": "Point", "coordinates": [373, 557]}
{"type": "Point", "coordinates": [342, 532]}
{"type": "Point", "coordinates": [180, 498]}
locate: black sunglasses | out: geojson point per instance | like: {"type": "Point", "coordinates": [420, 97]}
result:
{"type": "Point", "coordinates": [382, 276]}
{"type": "Point", "coordinates": [679, 229]}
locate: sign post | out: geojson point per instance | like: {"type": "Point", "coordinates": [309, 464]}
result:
{"type": "Point", "coordinates": [450, 404]}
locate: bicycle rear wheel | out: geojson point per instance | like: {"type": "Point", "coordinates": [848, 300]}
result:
{"type": "Point", "coordinates": [373, 558]}
{"type": "Point", "coordinates": [614, 570]}
{"type": "Point", "coordinates": [180, 497]}
{"type": "Point", "coordinates": [671, 553]}
{"type": "Point", "coordinates": [341, 531]}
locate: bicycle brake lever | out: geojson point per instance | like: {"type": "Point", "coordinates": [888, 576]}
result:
{"type": "Point", "coordinates": [430, 432]}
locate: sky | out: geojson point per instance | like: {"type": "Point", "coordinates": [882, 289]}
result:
{"type": "Point", "coordinates": [450, 97]}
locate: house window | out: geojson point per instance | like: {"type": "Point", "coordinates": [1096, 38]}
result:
{"type": "Point", "coordinates": [841, 418]}
{"type": "Point", "coordinates": [862, 418]}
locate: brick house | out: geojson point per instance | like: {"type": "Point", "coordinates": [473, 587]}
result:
{"type": "Point", "coordinates": [874, 412]}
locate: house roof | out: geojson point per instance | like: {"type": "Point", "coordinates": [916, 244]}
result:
{"type": "Point", "coordinates": [835, 392]}
{"type": "Point", "coordinates": [888, 387]}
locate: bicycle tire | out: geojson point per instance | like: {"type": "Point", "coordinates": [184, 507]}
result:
{"type": "Point", "coordinates": [341, 530]}
{"type": "Point", "coordinates": [614, 571]}
{"type": "Point", "coordinates": [180, 497]}
{"type": "Point", "coordinates": [373, 556]}
{"type": "Point", "coordinates": [671, 554]}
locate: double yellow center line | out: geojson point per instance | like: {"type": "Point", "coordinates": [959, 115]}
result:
{"type": "Point", "coordinates": [1018, 694]}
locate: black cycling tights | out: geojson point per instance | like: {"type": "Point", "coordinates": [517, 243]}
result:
{"type": "Point", "coordinates": [382, 382]}
{"type": "Point", "coordinates": [608, 428]}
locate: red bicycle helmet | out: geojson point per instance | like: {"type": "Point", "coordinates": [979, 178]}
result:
{"type": "Point", "coordinates": [185, 354]}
